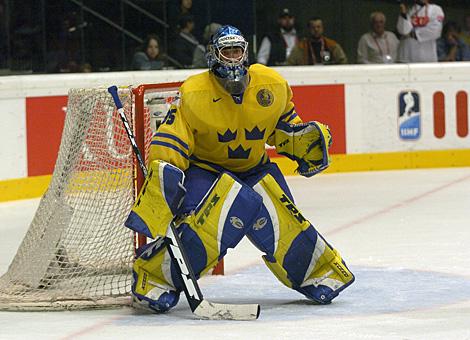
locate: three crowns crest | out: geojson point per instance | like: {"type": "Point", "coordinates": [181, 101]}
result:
{"type": "Point", "coordinates": [239, 152]}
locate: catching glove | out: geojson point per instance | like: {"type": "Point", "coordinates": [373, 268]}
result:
{"type": "Point", "coordinates": [305, 143]}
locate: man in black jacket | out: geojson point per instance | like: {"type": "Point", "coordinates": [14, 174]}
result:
{"type": "Point", "coordinates": [276, 47]}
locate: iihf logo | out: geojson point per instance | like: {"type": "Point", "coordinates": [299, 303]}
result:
{"type": "Point", "coordinates": [409, 118]}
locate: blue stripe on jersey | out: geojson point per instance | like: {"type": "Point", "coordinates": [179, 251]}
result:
{"type": "Point", "coordinates": [169, 136]}
{"type": "Point", "coordinates": [285, 115]}
{"type": "Point", "coordinates": [171, 146]}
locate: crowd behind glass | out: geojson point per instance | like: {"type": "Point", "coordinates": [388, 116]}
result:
{"type": "Point", "coordinates": [420, 32]}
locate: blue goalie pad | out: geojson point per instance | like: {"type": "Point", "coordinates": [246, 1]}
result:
{"type": "Point", "coordinates": [294, 251]}
{"type": "Point", "coordinates": [227, 208]}
{"type": "Point", "coordinates": [323, 294]}
{"type": "Point", "coordinates": [157, 300]}
{"type": "Point", "coordinates": [219, 221]}
{"type": "Point", "coordinates": [134, 222]}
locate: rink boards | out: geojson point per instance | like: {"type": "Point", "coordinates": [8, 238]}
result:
{"type": "Point", "coordinates": [381, 117]}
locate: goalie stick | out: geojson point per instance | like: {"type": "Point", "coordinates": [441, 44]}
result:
{"type": "Point", "coordinates": [199, 306]}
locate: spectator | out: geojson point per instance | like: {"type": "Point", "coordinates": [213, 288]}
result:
{"type": "Point", "coordinates": [209, 31]}
{"type": "Point", "coordinates": [317, 49]}
{"type": "Point", "coordinates": [199, 56]}
{"type": "Point", "coordinates": [465, 35]}
{"type": "Point", "coordinates": [149, 58]}
{"type": "Point", "coordinates": [420, 27]}
{"type": "Point", "coordinates": [276, 47]}
{"type": "Point", "coordinates": [450, 47]}
{"type": "Point", "coordinates": [64, 53]}
{"type": "Point", "coordinates": [377, 46]}
{"type": "Point", "coordinates": [184, 44]}
{"type": "Point", "coordinates": [185, 7]}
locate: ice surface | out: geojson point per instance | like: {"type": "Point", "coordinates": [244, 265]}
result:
{"type": "Point", "coordinates": [405, 234]}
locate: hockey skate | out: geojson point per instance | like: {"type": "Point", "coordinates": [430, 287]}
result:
{"type": "Point", "coordinates": [158, 299]}
{"type": "Point", "coordinates": [328, 281]}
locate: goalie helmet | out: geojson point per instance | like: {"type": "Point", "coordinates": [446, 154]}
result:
{"type": "Point", "coordinates": [227, 58]}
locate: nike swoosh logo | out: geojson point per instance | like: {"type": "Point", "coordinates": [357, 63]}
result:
{"type": "Point", "coordinates": [216, 100]}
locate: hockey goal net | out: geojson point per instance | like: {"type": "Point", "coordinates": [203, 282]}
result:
{"type": "Point", "coordinates": [77, 254]}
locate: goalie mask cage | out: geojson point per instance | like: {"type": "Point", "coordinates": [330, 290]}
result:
{"type": "Point", "coordinates": [77, 254]}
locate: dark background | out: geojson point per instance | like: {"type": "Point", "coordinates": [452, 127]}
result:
{"type": "Point", "coordinates": [36, 34]}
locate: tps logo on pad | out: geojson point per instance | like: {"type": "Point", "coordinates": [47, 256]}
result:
{"type": "Point", "coordinates": [409, 117]}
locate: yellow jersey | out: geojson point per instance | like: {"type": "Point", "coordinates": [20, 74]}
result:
{"type": "Point", "coordinates": [210, 128]}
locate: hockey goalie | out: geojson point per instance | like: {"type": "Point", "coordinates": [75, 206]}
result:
{"type": "Point", "coordinates": [209, 168]}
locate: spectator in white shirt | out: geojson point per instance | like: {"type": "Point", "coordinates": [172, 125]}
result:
{"type": "Point", "coordinates": [276, 47]}
{"type": "Point", "coordinates": [420, 27]}
{"type": "Point", "coordinates": [377, 46]}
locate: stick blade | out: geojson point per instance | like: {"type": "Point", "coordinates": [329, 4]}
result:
{"type": "Point", "coordinates": [219, 311]}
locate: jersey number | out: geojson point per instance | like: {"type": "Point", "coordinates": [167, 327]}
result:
{"type": "Point", "coordinates": [170, 117]}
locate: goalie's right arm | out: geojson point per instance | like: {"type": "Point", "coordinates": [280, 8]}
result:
{"type": "Point", "coordinates": [174, 141]}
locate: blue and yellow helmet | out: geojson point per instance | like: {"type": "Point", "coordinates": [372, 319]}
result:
{"type": "Point", "coordinates": [230, 70]}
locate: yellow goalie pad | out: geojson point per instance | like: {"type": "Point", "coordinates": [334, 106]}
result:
{"type": "Point", "coordinates": [208, 221]}
{"type": "Point", "coordinates": [152, 269]}
{"type": "Point", "coordinates": [217, 224]}
{"type": "Point", "coordinates": [158, 200]}
{"type": "Point", "coordinates": [301, 259]}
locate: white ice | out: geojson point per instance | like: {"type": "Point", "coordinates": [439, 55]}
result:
{"type": "Point", "coordinates": [405, 234]}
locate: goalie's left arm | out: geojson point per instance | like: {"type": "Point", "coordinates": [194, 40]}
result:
{"type": "Point", "coordinates": [305, 143]}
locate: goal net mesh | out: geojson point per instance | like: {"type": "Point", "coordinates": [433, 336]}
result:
{"type": "Point", "coordinates": [77, 253]}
